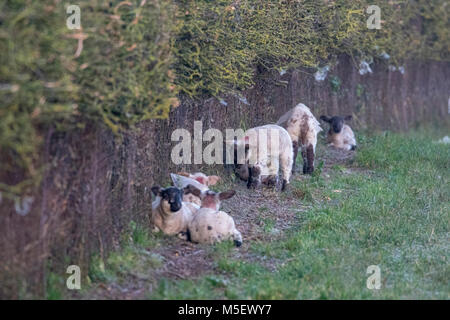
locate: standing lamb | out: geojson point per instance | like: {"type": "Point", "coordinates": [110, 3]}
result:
{"type": "Point", "coordinates": [303, 128]}
{"type": "Point", "coordinates": [209, 224]}
{"type": "Point", "coordinates": [268, 149]}
{"type": "Point", "coordinates": [340, 135]}
{"type": "Point", "coordinates": [169, 213]}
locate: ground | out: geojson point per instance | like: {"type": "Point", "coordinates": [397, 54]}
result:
{"type": "Point", "coordinates": [387, 204]}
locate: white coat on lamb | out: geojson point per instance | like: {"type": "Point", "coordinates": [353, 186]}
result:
{"type": "Point", "coordinates": [268, 150]}
{"type": "Point", "coordinates": [303, 128]}
{"type": "Point", "coordinates": [200, 180]}
{"type": "Point", "coordinates": [169, 213]}
{"type": "Point", "coordinates": [209, 224]}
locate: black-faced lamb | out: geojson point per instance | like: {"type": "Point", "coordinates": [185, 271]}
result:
{"type": "Point", "coordinates": [303, 128]}
{"type": "Point", "coordinates": [209, 224]}
{"type": "Point", "coordinates": [268, 150]}
{"type": "Point", "coordinates": [169, 213]}
{"type": "Point", "coordinates": [340, 135]}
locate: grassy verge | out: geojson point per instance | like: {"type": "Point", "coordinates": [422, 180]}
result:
{"type": "Point", "coordinates": [390, 208]}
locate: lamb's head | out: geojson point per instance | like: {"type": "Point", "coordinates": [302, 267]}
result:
{"type": "Point", "coordinates": [336, 122]}
{"type": "Point", "coordinates": [210, 199]}
{"type": "Point", "coordinates": [171, 198]}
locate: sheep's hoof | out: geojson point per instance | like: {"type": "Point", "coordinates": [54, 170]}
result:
{"type": "Point", "coordinates": [353, 147]}
{"type": "Point", "coordinates": [237, 243]}
{"type": "Point", "coordinates": [308, 170]}
{"type": "Point", "coordinates": [284, 185]}
{"type": "Point", "coordinates": [251, 186]}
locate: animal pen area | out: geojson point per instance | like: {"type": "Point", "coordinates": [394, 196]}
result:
{"type": "Point", "coordinates": [113, 123]}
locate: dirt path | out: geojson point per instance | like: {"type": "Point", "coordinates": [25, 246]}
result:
{"type": "Point", "coordinates": [254, 214]}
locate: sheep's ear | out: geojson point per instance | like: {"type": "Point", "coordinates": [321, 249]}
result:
{"type": "Point", "coordinates": [325, 118]}
{"type": "Point", "coordinates": [212, 180]}
{"type": "Point", "coordinates": [348, 118]}
{"type": "Point", "coordinates": [226, 194]}
{"type": "Point", "coordinates": [156, 190]}
{"type": "Point", "coordinates": [192, 189]}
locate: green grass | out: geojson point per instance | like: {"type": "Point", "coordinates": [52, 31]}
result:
{"type": "Point", "coordinates": [390, 209]}
{"type": "Point", "coordinates": [133, 256]}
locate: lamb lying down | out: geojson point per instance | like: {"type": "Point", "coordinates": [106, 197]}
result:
{"type": "Point", "coordinates": [198, 180]}
{"type": "Point", "coordinates": [169, 213]}
{"type": "Point", "coordinates": [209, 225]}
{"type": "Point", "coordinates": [201, 178]}
{"type": "Point", "coordinates": [340, 135]}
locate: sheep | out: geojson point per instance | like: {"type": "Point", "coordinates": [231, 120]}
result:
{"type": "Point", "coordinates": [268, 150]}
{"type": "Point", "coordinates": [199, 180]}
{"type": "Point", "coordinates": [340, 135]}
{"type": "Point", "coordinates": [169, 213]}
{"type": "Point", "coordinates": [209, 224]}
{"type": "Point", "coordinates": [303, 128]}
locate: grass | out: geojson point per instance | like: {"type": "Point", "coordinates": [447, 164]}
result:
{"type": "Point", "coordinates": [390, 209]}
{"type": "Point", "coordinates": [133, 257]}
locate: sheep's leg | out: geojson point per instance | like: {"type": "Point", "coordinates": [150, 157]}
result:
{"type": "Point", "coordinates": [295, 147]}
{"type": "Point", "coordinates": [284, 185]}
{"type": "Point", "coordinates": [250, 177]}
{"type": "Point", "coordinates": [310, 158]}
{"type": "Point", "coordinates": [286, 168]}
{"type": "Point", "coordinates": [305, 160]}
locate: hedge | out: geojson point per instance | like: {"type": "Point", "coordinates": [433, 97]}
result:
{"type": "Point", "coordinates": [139, 56]}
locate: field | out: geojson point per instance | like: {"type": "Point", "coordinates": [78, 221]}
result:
{"type": "Point", "coordinates": [385, 205]}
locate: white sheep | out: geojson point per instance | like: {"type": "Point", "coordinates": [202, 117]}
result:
{"type": "Point", "coordinates": [340, 135]}
{"type": "Point", "coordinates": [198, 179]}
{"type": "Point", "coordinates": [201, 178]}
{"type": "Point", "coordinates": [303, 128]}
{"type": "Point", "coordinates": [268, 150]}
{"type": "Point", "coordinates": [169, 213]}
{"type": "Point", "coordinates": [209, 224]}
